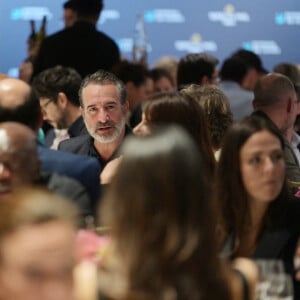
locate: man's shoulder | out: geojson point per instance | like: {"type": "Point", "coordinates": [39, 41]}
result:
{"type": "Point", "coordinates": [55, 36]}
{"type": "Point", "coordinates": [52, 158]}
{"type": "Point", "coordinates": [79, 144]}
{"type": "Point", "coordinates": [77, 128]}
{"type": "Point", "coordinates": [105, 37]}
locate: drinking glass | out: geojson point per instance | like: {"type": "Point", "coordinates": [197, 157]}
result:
{"type": "Point", "coordinates": [280, 287]}
{"type": "Point", "coordinates": [265, 268]}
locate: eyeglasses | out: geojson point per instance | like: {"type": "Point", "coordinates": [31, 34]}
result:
{"type": "Point", "coordinates": [44, 106]}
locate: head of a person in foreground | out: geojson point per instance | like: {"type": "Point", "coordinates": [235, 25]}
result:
{"type": "Point", "coordinates": [157, 206]}
{"type": "Point", "coordinates": [37, 238]}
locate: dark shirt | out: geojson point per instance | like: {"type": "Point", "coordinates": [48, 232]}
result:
{"type": "Point", "coordinates": [77, 128]}
{"type": "Point", "coordinates": [136, 116]}
{"type": "Point", "coordinates": [81, 47]}
{"type": "Point", "coordinates": [278, 239]}
{"type": "Point", "coordinates": [84, 145]}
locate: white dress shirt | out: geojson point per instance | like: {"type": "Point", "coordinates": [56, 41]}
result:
{"type": "Point", "coordinates": [295, 143]}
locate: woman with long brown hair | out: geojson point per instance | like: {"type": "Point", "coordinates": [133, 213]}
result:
{"type": "Point", "coordinates": [258, 217]}
{"type": "Point", "coordinates": [163, 226]}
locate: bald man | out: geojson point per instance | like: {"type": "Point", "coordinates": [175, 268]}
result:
{"type": "Point", "coordinates": [275, 99]}
{"type": "Point", "coordinates": [20, 166]}
{"type": "Point", "coordinates": [19, 104]}
{"type": "Point", "coordinates": [19, 163]}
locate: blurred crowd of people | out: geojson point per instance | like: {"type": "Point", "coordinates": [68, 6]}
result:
{"type": "Point", "coordinates": [121, 181]}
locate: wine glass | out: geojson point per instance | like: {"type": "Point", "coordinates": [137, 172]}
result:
{"type": "Point", "coordinates": [266, 267]}
{"type": "Point", "coordinates": [280, 287]}
{"type": "Point", "coordinates": [297, 257]}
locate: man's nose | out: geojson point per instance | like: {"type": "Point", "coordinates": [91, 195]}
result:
{"type": "Point", "coordinates": [4, 171]}
{"type": "Point", "coordinates": [103, 116]}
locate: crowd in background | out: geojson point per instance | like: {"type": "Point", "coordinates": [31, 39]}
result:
{"type": "Point", "coordinates": [121, 181]}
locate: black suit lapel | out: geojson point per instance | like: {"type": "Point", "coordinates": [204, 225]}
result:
{"type": "Point", "coordinates": [271, 243]}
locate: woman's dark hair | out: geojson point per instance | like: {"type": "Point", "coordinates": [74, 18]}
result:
{"type": "Point", "coordinates": [181, 109]}
{"type": "Point", "coordinates": [159, 73]}
{"type": "Point", "coordinates": [230, 193]}
{"type": "Point", "coordinates": [158, 206]}
{"type": "Point", "coordinates": [127, 71]}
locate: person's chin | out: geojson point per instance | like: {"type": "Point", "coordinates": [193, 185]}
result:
{"type": "Point", "coordinates": [4, 194]}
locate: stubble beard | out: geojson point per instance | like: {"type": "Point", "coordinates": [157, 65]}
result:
{"type": "Point", "coordinates": [108, 138]}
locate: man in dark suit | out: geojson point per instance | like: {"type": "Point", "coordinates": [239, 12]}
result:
{"type": "Point", "coordinates": [20, 165]}
{"type": "Point", "coordinates": [19, 104]}
{"type": "Point", "coordinates": [81, 46]}
{"type": "Point", "coordinates": [57, 90]}
{"type": "Point", "coordinates": [275, 99]}
{"type": "Point", "coordinates": [104, 108]}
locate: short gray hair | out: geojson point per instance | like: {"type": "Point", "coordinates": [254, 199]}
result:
{"type": "Point", "coordinates": [102, 77]}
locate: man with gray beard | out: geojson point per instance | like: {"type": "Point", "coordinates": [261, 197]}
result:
{"type": "Point", "coordinates": [104, 107]}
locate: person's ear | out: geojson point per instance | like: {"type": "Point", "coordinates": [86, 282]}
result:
{"type": "Point", "coordinates": [289, 106]}
{"type": "Point", "coordinates": [254, 104]}
{"type": "Point", "coordinates": [125, 107]}
{"type": "Point", "coordinates": [40, 120]}
{"type": "Point", "coordinates": [62, 100]}
{"type": "Point", "coordinates": [204, 80]}
{"type": "Point", "coordinates": [130, 87]}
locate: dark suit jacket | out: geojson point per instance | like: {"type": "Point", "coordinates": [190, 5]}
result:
{"type": "Point", "coordinates": [280, 241]}
{"type": "Point", "coordinates": [81, 47]}
{"type": "Point", "coordinates": [291, 162]}
{"type": "Point", "coordinates": [76, 129]}
{"type": "Point", "coordinates": [69, 188]}
{"type": "Point", "coordinates": [84, 169]}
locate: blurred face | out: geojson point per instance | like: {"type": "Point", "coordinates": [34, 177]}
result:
{"type": "Point", "coordinates": [291, 117]}
{"type": "Point", "coordinates": [143, 128]}
{"type": "Point", "coordinates": [215, 77]}
{"type": "Point", "coordinates": [70, 17]}
{"type": "Point", "coordinates": [53, 113]}
{"type": "Point", "coordinates": [148, 88]}
{"type": "Point", "coordinates": [163, 85]}
{"type": "Point", "coordinates": [16, 168]}
{"type": "Point", "coordinates": [262, 167]}
{"type": "Point", "coordinates": [37, 262]}
{"type": "Point", "coordinates": [103, 114]}
{"type": "Point", "coordinates": [136, 95]}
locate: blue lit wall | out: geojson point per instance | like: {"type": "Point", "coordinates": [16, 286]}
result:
{"type": "Point", "coordinates": [271, 28]}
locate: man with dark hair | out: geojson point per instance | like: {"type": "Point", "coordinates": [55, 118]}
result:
{"type": "Point", "coordinates": [135, 76]}
{"type": "Point", "coordinates": [70, 13]}
{"type": "Point", "coordinates": [104, 107]}
{"type": "Point", "coordinates": [255, 67]}
{"type": "Point", "coordinates": [19, 104]}
{"type": "Point", "coordinates": [139, 86]}
{"type": "Point", "coordinates": [232, 74]}
{"type": "Point", "coordinates": [57, 89]}
{"type": "Point", "coordinates": [81, 46]}
{"type": "Point", "coordinates": [198, 68]}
